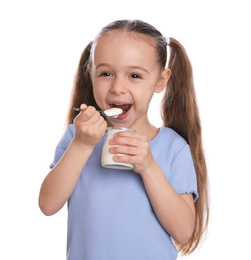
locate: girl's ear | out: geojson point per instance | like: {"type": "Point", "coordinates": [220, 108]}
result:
{"type": "Point", "coordinates": [89, 69]}
{"type": "Point", "coordinates": [162, 83]}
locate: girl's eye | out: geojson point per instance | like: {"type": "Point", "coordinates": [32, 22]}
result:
{"type": "Point", "coordinates": [105, 74]}
{"type": "Point", "coordinates": [135, 76]}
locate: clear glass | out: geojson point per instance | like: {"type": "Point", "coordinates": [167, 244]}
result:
{"type": "Point", "coordinates": [107, 157]}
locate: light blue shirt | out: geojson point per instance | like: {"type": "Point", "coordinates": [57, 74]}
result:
{"type": "Point", "coordinates": [109, 214]}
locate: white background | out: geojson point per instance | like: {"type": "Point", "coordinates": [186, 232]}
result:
{"type": "Point", "coordinates": [41, 42]}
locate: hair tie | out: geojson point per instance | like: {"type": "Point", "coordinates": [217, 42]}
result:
{"type": "Point", "coordinates": [167, 40]}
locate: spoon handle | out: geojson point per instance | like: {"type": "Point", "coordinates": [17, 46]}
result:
{"type": "Point", "coordinates": [81, 109]}
{"type": "Point", "coordinates": [78, 109]}
{"type": "Point", "coordinates": [100, 111]}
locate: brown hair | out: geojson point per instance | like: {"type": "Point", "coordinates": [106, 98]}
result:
{"type": "Point", "coordinates": [179, 108]}
{"type": "Point", "coordinates": [82, 88]}
{"type": "Point", "coordinates": [180, 112]}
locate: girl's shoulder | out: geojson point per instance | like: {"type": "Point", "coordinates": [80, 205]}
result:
{"type": "Point", "coordinates": [67, 137]}
{"type": "Point", "coordinates": [70, 130]}
{"type": "Point", "coordinates": [63, 144]}
{"type": "Point", "coordinates": [168, 143]}
{"type": "Point", "coordinates": [168, 135]}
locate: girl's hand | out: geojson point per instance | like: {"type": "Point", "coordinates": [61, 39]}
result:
{"type": "Point", "coordinates": [135, 149]}
{"type": "Point", "coordinates": [90, 126]}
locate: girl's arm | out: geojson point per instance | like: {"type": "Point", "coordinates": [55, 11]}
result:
{"type": "Point", "coordinates": [175, 212]}
{"type": "Point", "coordinates": [61, 181]}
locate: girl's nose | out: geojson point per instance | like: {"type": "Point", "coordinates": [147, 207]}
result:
{"type": "Point", "coordinates": [118, 87]}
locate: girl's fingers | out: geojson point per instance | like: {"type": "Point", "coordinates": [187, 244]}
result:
{"type": "Point", "coordinates": [84, 107]}
{"type": "Point", "coordinates": [90, 126]}
{"type": "Point", "coordinates": [130, 147]}
{"type": "Point", "coordinates": [124, 141]}
{"type": "Point", "coordinates": [124, 150]}
{"type": "Point", "coordinates": [128, 139]}
{"type": "Point", "coordinates": [90, 115]}
{"type": "Point", "coordinates": [126, 159]}
{"type": "Point", "coordinates": [129, 134]}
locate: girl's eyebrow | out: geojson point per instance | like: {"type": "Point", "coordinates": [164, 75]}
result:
{"type": "Point", "coordinates": [131, 67]}
{"type": "Point", "coordinates": [140, 68]}
{"type": "Point", "coordinates": [102, 65]}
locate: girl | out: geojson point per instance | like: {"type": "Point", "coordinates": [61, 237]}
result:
{"type": "Point", "coordinates": [144, 213]}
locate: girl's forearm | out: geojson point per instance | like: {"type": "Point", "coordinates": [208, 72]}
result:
{"type": "Point", "coordinates": [61, 181]}
{"type": "Point", "coordinates": [175, 214]}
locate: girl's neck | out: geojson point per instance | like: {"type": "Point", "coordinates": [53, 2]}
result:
{"type": "Point", "coordinates": [147, 129]}
{"type": "Point", "coordinates": [144, 127]}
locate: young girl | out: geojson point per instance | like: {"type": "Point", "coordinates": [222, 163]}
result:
{"type": "Point", "coordinates": [152, 211]}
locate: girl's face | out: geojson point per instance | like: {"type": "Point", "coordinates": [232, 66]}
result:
{"type": "Point", "coordinates": [125, 73]}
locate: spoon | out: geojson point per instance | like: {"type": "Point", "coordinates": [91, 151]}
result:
{"type": "Point", "coordinates": [113, 112]}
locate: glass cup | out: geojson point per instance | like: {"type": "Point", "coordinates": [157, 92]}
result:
{"type": "Point", "coordinates": [107, 157]}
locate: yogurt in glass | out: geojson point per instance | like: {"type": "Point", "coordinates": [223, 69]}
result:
{"type": "Point", "coordinates": [107, 157]}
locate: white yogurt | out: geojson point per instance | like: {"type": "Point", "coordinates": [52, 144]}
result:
{"type": "Point", "coordinates": [107, 157]}
{"type": "Point", "coordinates": [113, 112]}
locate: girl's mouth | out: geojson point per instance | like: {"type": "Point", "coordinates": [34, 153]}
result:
{"type": "Point", "coordinates": [125, 108]}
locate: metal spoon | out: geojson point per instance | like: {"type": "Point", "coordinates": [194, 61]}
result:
{"type": "Point", "coordinates": [109, 113]}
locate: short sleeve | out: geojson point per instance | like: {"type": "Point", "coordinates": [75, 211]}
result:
{"type": "Point", "coordinates": [183, 175]}
{"type": "Point", "coordinates": [63, 145]}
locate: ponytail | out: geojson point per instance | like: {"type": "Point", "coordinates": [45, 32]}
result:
{"type": "Point", "coordinates": [180, 112]}
{"type": "Point", "coordinates": [82, 88]}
